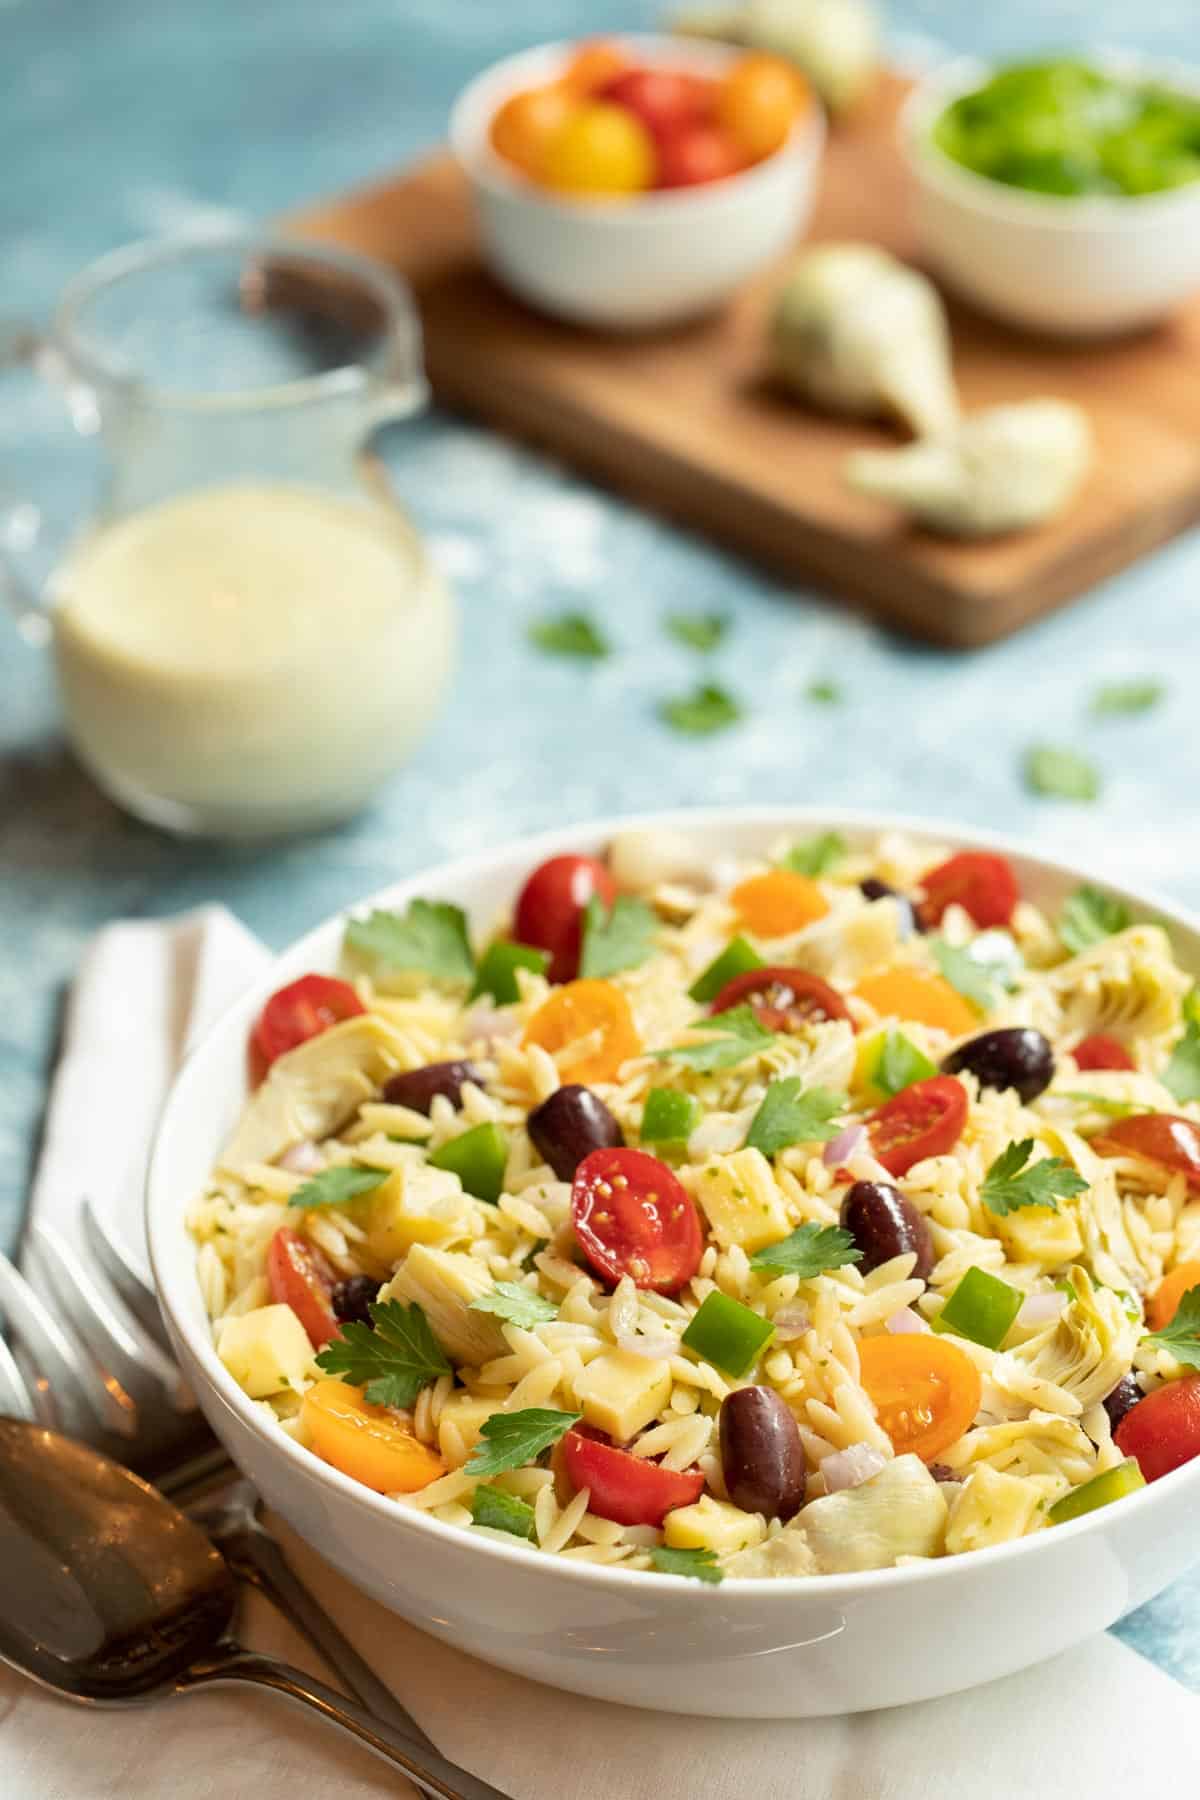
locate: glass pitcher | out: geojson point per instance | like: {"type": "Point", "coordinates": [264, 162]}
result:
{"type": "Point", "coordinates": [248, 634]}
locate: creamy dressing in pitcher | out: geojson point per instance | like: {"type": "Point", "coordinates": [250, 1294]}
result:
{"type": "Point", "coordinates": [258, 656]}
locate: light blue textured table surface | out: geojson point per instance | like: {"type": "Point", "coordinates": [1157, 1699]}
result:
{"type": "Point", "coordinates": [134, 119]}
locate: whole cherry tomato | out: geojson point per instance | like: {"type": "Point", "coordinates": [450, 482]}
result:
{"type": "Point", "coordinates": [783, 999]}
{"type": "Point", "coordinates": [694, 154]}
{"type": "Point", "coordinates": [301, 1010]}
{"type": "Point", "coordinates": [759, 101]}
{"type": "Point", "coordinates": [600, 149]}
{"type": "Point", "coordinates": [550, 907]}
{"type": "Point", "coordinates": [298, 1276]}
{"type": "Point", "coordinates": [925, 1119]}
{"type": "Point", "coordinates": [634, 1217]}
{"type": "Point", "coordinates": [593, 65]}
{"type": "Point", "coordinates": [663, 99]}
{"type": "Point", "coordinates": [1164, 1138]}
{"type": "Point", "coordinates": [526, 122]}
{"type": "Point", "coordinates": [630, 1489]}
{"type": "Point", "coordinates": [983, 884]}
{"type": "Point", "coordinates": [1101, 1052]}
{"type": "Point", "coordinates": [1163, 1430]}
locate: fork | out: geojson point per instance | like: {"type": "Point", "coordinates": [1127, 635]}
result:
{"type": "Point", "coordinates": [113, 1383]}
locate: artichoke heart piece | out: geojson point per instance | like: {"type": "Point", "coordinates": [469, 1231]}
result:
{"type": "Point", "coordinates": [991, 1508]}
{"type": "Point", "coordinates": [1128, 983]}
{"type": "Point", "coordinates": [312, 1090]}
{"type": "Point", "coordinates": [1089, 1347]}
{"type": "Point", "coordinates": [899, 1512]}
{"type": "Point", "coordinates": [444, 1283]}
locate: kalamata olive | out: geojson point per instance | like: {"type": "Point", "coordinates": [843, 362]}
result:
{"type": "Point", "coordinates": [352, 1297]}
{"type": "Point", "coordinates": [1123, 1399]}
{"type": "Point", "coordinates": [884, 1224]}
{"type": "Point", "coordinates": [1014, 1057]}
{"type": "Point", "coordinates": [569, 1126]}
{"type": "Point", "coordinates": [761, 1453]}
{"type": "Point", "coordinates": [418, 1088]}
{"type": "Point", "coordinates": [874, 889]}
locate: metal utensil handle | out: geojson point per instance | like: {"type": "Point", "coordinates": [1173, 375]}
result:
{"type": "Point", "coordinates": [426, 1768]}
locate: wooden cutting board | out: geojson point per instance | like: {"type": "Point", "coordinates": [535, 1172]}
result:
{"type": "Point", "coordinates": [686, 423]}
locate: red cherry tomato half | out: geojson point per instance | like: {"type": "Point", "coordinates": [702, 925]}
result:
{"type": "Point", "coordinates": [663, 99]}
{"type": "Point", "coordinates": [549, 910]}
{"type": "Point", "coordinates": [633, 1217]}
{"type": "Point", "coordinates": [630, 1489]}
{"type": "Point", "coordinates": [783, 999]}
{"type": "Point", "coordinates": [690, 155]}
{"type": "Point", "coordinates": [1163, 1430]}
{"type": "Point", "coordinates": [926, 1119]}
{"type": "Point", "coordinates": [981, 883]}
{"type": "Point", "coordinates": [1101, 1052]}
{"type": "Point", "coordinates": [298, 1276]}
{"type": "Point", "coordinates": [1163, 1138]}
{"type": "Point", "coordinates": [300, 1011]}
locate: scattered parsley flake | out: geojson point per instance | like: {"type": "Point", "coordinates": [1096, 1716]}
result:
{"type": "Point", "coordinates": [974, 980]}
{"type": "Point", "coordinates": [900, 1064]}
{"type": "Point", "coordinates": [735, 1035]}
{"type": "Point", "coordinates": [510, 1440]}
{"type": "Point", "coordinates": [808, 1251]}
{"type": "Point", "coordinates": [701, 1565]}
{"type": "Point", "coordinates": [1088, 917]}
{"type": "Point", "coordinates": [1181, 1335]}
{"type": "Point", "coordinates": [824, 692]}
{"type": "Point", "coordinates": [1136, 696]}
{"type": "Point", "coordinates": [701, 631]}
{"type": "Point", "coordinates": [570, 634]}
{"type": "Point", "coordinates": [519, 1305]}
{"type": "Point", "coordinates": [393, 1358]}
{"type": "Point", "coordinates": [1009, 1184]}
{"type": "Point", "coordinates": [1060, 774]}
{"type": "Point", "coordinates": [500, 1511]}
{"type": "Point", "coordinates": [788, 1116]}
{"type": "Point", "coordinates": [616, 940]}
{"type": "Point", "coordinates": [816, 855]}
{"type": "Point", "coordinates": [706, 709]}
{"type": "Point", "coordinates": [431, 936]}
{"type": "Point", "coordinates": [334, 1187]}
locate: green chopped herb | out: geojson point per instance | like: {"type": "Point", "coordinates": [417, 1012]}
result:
{"type": "Point", "coordinates": [393, 1358]}
{"type": "Point", "coordinates": [824, 692]}
{"type": "Point", "coordinates": [816, 855]}
{"type": "Point", "coordinates": [1060, 774]}
{"type": "Point", "coordinates": [478, 1157]}
{"type": "Point", "coordinates": [737, 958]}
{"type": "Point", "coordinates": [669, 1117]}
{"type": "Point", "coordinates": [1012, 1181]}
{"type": "Point", "coordinates": [510, 1440]}
{"type": "Point", "coordinates": [727, 1334]}
{"type": "Point", "coordinates": [1088, 917]}
{"type": "Point", "coordinates": [734, 1035]}
{"type": "Point", "coordinates": [900, 1064]}
{"type": "Point", "coordinates": [706, 709]}
{"type": "Point", "coordinates": [789, 1116]}
{"type": "Point", "coordinates": [701, 1565]}
{"type": "Point", "coordinates": [1125, 1478]}
{"type": "Point", "coordinates": [1127, 697]}
{"type": "Point", "coordinates": [497, 972]}
{"type": "Point", "coordinates": [616, 940]}
{"type": "Point", "coordinates": [982, 1308]}
{"type": "Point", "coordinates": [701, 631]}
{"type": "Point", "coordinates": [1182, 1074]}
{"type": "Point", "coordinates": [430, 938]}
{"type": "Point", "coordinates": [529, 1260]}
{"type": "Point", "coordinates": [336, 1187]}
{"type": "Point", "coordinates": [973, 979]}
{"type": "Point", "coordinates": [1181, 1335]}
{"type": "Point", "coordinates": [808, 1251]}
{"type": "Point", "coordinates": [570, 634]}
{"type": "Point", "coordinates": [499, 1511]}
{"type": "Point", "coordinates": [519, 1305]}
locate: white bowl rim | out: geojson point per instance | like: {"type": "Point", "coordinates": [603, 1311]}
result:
{"type": "Point", "coordinates": [947, 82]}
{"type": "Point", "coordinates": [468, 138]}
{"type": "Point", "coordinates": [163, 1212]}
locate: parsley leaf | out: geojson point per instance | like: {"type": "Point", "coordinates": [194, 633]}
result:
{"type": "Point", "coordinates": [788, 1116]}
{"type": "Point", "coordinates": [616, 940]}
{"type": "Point", "coordinates": [965, 972]}
{"type": "Point", "coordinates": [334, 1187]}
{"type": "Point", "coordinates": [510, 1440]}
{"type": "Point", "coordinates": [1127, 697]}
{"type": "Point", "coordinates": [1182, 1074]}
{"type": "Point", "coordinates": [393, 1358]}
{"type": "Point", "coordinates": [900, 1064]}
{"type": "Point", "coordinates": [816, 854]}
{"type": "Point", "coordinates": [699, 631]}
{"type": "Point", "coordinates": [431, 936]}
{"type": "Point", "coordinates": [570, 634]}
{"type": "Point", "coordinates": [824, 692]}
{"type": "Point", "coordinates": [1009, 1184]}
{"type": "Point", "coordinates": [701, 1565]}
{"type": "Point", "coordinates": [808, 1251]}
{"type": "Point", "coordinates": [736, 1034]}
{"type": "Point", "coordinates": [1061, 774]}
{"type": "Point", "coordinates": [1088, 917]}
{"type": "Point", "coordinates": [1181, 1335]}
{"type": "Point", "coordinates": [519, 1305]}
{"type": "Point", "coordinates": [492, 1507]}
{"type": "Point", "coordinates": [706, 709]}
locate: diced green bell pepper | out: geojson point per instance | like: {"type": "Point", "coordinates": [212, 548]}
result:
{"type": "Point", "coordinates": [899, 1063]}
{"type": "Point", "coordinates": [669, 1117]}
{"type": "Point", "coordinates": [982, 1308]}
{"type": "Point", "coordinates": [478, 1158]}
{"type": "Point", "coordinates": [727, 1334]}
{"type": "Point", "coordinates": [1101, 1490]}
{"type": "Point", "coordinates": [500, 1511]}
{"type": "Point", "coordinates": [497, 971]}
{"type": "Point", "coordinates": [737, 958]}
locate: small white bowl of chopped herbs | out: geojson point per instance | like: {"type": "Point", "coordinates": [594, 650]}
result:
{"type": "Point", "coordinates": [1061, 195]}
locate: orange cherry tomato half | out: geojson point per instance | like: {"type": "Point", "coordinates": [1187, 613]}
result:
{"type": "Point", "coordinates": [694, 154]}
{"type": "Point", "coordinates": [1163, 1430]}
{"type": "Point", "coordinates": [630, 1489]}
{"type": "Point", "coordinates": [1164, 1138]}
{"type": "Point", "coordinates": [926, 1119]}
{"type": "Point", "coordinates": [527, 121]}
{"type": "Point", "coordinates": [372, 1444]}
{"type": "Point", "coordinates": [298, 1276]}
{"type": "Point", "coordinates": [783, 999]}
{"type": "Point", "coordinates": [759, 101]}
{"type": "Point", "coordinates": [663, 99]}
{"type": "Point", "coordinates": [550, 908]}
{"type": "Point", "coordinates": [1163, 1303]}
{"type": "Point", "coordinates": [777, 903]}
{"type": "Point", "coordinates": [600, 149]}
{"type": "Point", "coordinates": [982, 883]}
{"type": "Point", "coordinates": [926, 1391]}
{"type": "Point", "coordinates": [593, 65]}
{"type": "Point", "coordinates": [913, 994]}
{"type": "Point", "coordinates": [1101, 1052]}
{"type": "Point", "coordinates": [634, 1217]}
{"type": "Point", "coordinates": [577, 1010]}
{"type": "Point", "coordinates": [300, 1011]}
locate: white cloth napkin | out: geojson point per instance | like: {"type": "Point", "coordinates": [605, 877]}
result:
{"type": "Point", "coordinates": [1099, 1721]}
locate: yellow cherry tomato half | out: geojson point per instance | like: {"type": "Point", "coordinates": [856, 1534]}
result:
{"type": "Point", "coordinates": [759, 101]}
{"type": "Point", "coordinates": [598, 150]}
{"type": "Point", "coordinates": [914, 994]}
{"type": "Point", "coordinates": [371, 1444]}
{"type": "Point", "coordinates": [527, 121]}
{"type": "Point", "coordinates": [926, 1391]}
{"type": "Point", "coordinates": [777, 903]}
{"type": "Point", "coordinates": [596, 1016]}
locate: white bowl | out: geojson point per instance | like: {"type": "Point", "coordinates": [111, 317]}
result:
{"type": "Point", "coordinates": [1075, 267]}
{"type": "Point", "coordinates": [750, 1649]}
{"type": "Point", "coordinates": [630, 263]}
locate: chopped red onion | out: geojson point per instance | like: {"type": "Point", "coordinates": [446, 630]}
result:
{"type": "Point", "coordinates": [490, 1023]}
{"type": "Point", "coordinates": [850, 1468]}
{"type": "Point", "coordinates": [905, 1321]}
{"type": "Point", "coordinates": [791, 1321]}
{"type": "Point", "coordinates": [1039, 1309]}
{"type": "Point", "coordinates": [303, 1158]}
{"type": "Point", "coordinates": [846, 1144]}
{"type": "Point", "coordinates": [654, 1349]}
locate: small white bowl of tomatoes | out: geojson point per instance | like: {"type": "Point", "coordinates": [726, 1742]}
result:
{"type": "Point", "coordinates": [634, 183]}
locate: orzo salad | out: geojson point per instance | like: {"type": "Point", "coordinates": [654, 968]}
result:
{"type": "Point", "coordinates": [808, 1214]}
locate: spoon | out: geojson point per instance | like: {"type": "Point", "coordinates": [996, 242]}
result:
{"type": "Point", "coordinates": [113, 1598]}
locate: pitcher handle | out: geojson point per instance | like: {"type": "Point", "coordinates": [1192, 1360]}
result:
{"type": "Point", "coordinates": [20, 521]}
